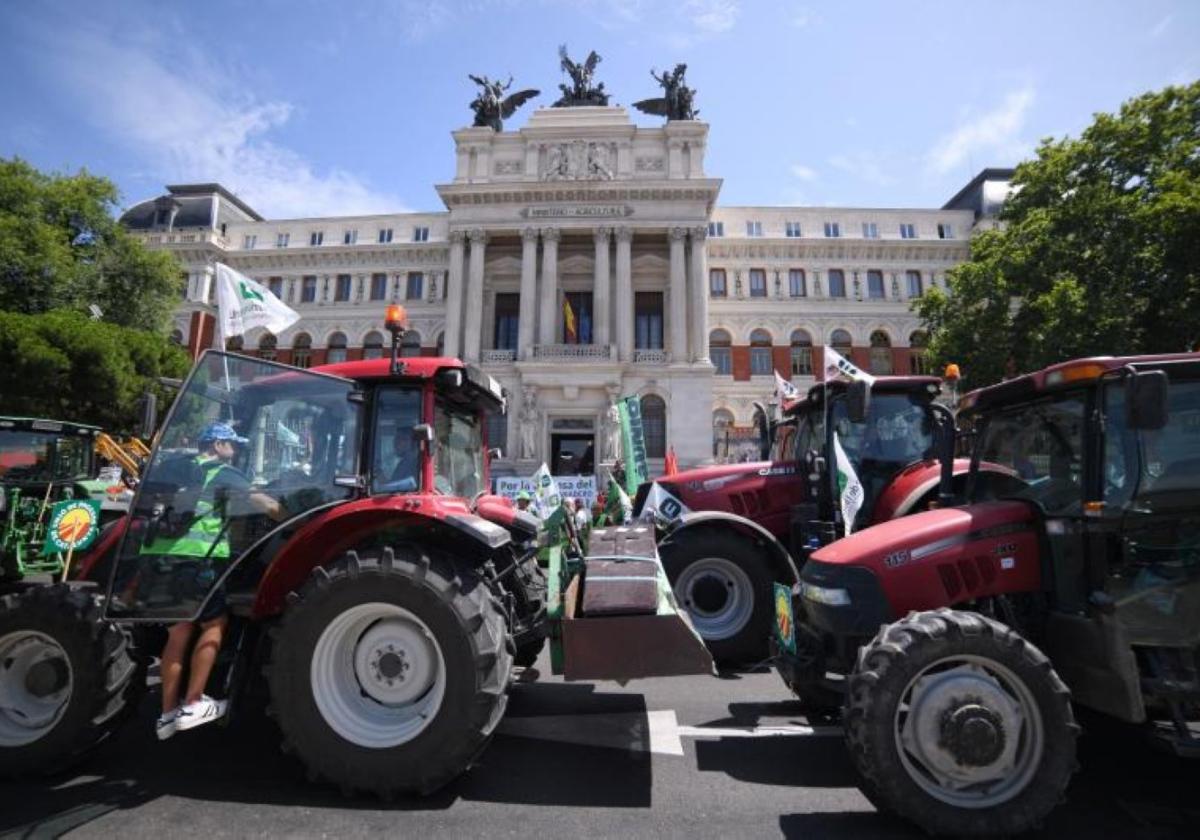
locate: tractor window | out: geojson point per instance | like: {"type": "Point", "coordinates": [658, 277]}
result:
{"type": "Point", "coordinates": [397, 458]}
{"type": "Point", "coordinates": [34, 457]}
{"type": "Point", "coordinates": [1042, 444]}
{"type": "Point", "coordinates": [1120, 467]}
{"type": "Point", "coordinates": [458, 459]}
{"type": "Point", "coordinates": [1170, 456]}
{"type": "Point", "coordinates": [798, 434]}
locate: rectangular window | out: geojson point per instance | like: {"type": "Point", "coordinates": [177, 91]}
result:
{"type": "Point", "coordinates": [581, 311]}
{"type": "Point", "coordinates": [870, 230]}
{"type": "Point", "coordinates": [507, 320]}
{"type": "Point", "coordinates": [350, 237]}
{"type": "Point", "coordinates": [648, 320]}
{"type": "Point", "coordinates": [908, 231]}
{"type": "Point", "coordinates": [415, 285]}
{"type": "Point", "coordinates": [797, 287]}
{"type": "Point", "coordinates": [249, 242]}
{"type": "Point", "coordinates": [341, 291]}
{"type": "Point", "coordinates": [754, 228]}
{"type": "Point", "coordinates": [913, 279]}
{"type": "Point", "coordinates": [420, 234]}
{"type": "Point", "coordinates": [716, 282]}
{"type": "Point", "coordinates": [875, 285]}
{"type": "Point", "coordinates": [760, 361]}
{"type": "Point", "coordinates": [497, 433]}
{"type": "Point", "coordinates": [716, 228]}
{"type": "Point", "coordinates": [385, 235]}
{"type": "Point", "coordinates": [801, 355]}
{"type": "Point", "coordinates": [945, 231]}
{"type": "Point", "coordinates": [317, 237]}
{"type": "Point", "coordinates": [792, 230]}
{"type": "Point", "coordinates": [722, 360]}
{"type": "Point", "coordinates": [378, 286]}
{"type": "Point", "coordinates": [275, 284]}
{"type": "Point", "coordinates": [308, 289]}
{"type": "Point", "coordinates": [281, 240]}
{"type": "Point", "coordinates": [837, 283]}
{"type": "Point", "coordinates": [833, 230]}
{"type": "Point", "coordinates": [758, 282]}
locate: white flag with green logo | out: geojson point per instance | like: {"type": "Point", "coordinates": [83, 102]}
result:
{"type": "Point", "coordinates": [243, 304]}
{"type": "Point", "coordinates": [836, 363]}
{"type": "Point", "coordinates": [850, 489]}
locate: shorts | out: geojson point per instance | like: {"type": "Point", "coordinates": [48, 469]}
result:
{"type": "Point", "coordinates": [177, 586]}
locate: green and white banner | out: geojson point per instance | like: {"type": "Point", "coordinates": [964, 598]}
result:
{"type": "Point", "coordinates": [850, 489]}
{"type": "Point", "coordinates": [617, 504]}
{"type": "Point", "coordinates": [836, 363]}
{"type": "Point", "coordinates": [633, 443]}
{"type": "Point", "coordinates": [243, 304]}
{"type": "Point", "coordinates": [662, 505]}
{"type": "Point", "coordinates": [546, 497]}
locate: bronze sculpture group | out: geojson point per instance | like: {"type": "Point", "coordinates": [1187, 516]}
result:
{"type": "Point", "coordinates": [494, 104]}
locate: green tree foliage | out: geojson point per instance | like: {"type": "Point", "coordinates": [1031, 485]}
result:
{"type": "Point", "coordinates": [1098, 252]}
{"type": "Point", "coordinates": [64, 365]}
{"type": "Point", "coordinates": [61, 247]}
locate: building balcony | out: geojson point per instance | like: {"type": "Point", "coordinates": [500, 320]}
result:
{"type": "Point", "coordinates": [499, 357]}
{"type": "Point", "coordinates": [650, 357]}
{"type": "Point", "coordinates": [573, 353]}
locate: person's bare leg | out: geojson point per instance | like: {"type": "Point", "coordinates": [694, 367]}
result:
{"type": "Point", "coordinates": [204, 656]}
{"type": "Point", "coordinates": [171, 666]}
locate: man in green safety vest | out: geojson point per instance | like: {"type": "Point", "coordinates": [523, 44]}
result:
{"type": "Point", "coordinates": [198, 557]}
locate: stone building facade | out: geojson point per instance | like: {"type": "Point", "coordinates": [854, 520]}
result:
{"type": "Point", "coordinates": [583, 218]}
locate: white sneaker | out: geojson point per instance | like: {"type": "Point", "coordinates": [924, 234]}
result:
{"type": "Point", "coordinates": [205, 710]}
{"type": "Point", "coordinates": [166, 724]}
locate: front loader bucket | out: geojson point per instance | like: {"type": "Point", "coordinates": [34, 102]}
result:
{"type": "Point", "coordinates": [616, 616]}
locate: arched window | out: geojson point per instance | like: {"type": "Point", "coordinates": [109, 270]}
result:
{"type": "Point", "coordinates": [719, 343]}
{"type": "Point", "coordinates": [373, 345]}
{"type": "Point", "coordinates": [654, 426]}
{"type": "Point", "coordinates": [235, 344]}
{"type": "Point", "coordinates": [410, 343]}
{"type": "Point", "coordinates": [837, 283]}
{"type": "Point", "coordinates": [177, 337]}
{"type": "Point", "coordinates": [760, 353]}
{"type": "Point", "coordinates": [722, 422]}
{"type": "Point", "coordinates": [917, 342]}
{"type": "Point", "coordinates": [881, 353]}
{"type": "Point", "coordinates": [266, 347]}
{"type": "Point", "coordinates": [337, 348]}
{"type": "Point", "coordinates": [302, 350]}
{"type": "Point", "coordinates": [801, 353]}
{"type": "Point", "coordinates": [840, 341]}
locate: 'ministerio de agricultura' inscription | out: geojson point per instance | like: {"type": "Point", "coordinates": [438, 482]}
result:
{"type": "Point", "coordinates": [598, 211]}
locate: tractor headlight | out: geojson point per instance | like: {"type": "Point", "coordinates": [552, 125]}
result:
{"type": "Point", "coordinates": [825, 595]}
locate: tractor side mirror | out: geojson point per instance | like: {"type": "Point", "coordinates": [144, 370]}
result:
{"type": "Point", "coordinates": [858, 401]}
{"type": "Point", "coordinates": [762, 423]}
{"type": "Point", "coordinates": [1146, 400]}
{"type": "Point", "coordinates": [149, 415]}
{"type": "Point", "coordinates": [495, 453]}
{"type": "Point", "coordinates": [423, 433]}
{"type": "Point", "coordinates": [450, 379]}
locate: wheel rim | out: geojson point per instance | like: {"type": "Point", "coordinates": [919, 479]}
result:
{"type": "Point", "coordinates": [378, 675]}
{"type": "Point", "coordinates": [718, 596]}
{"type": "Point", "coordinates": [969, 732]}
{"type": "Point", "coordinates": [35, 686]}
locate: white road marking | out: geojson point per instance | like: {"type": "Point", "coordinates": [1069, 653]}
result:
{"type": "Point", "coordinates": [656, 732]}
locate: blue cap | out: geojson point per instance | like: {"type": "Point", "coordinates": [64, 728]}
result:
{"type": "Point", "coordinates": [221, 431]}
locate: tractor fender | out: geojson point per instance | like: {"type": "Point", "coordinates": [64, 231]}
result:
{"type": "Point", "coordinates": [330, 534]}
{"type": "Point", "coordinates": [920, 481]}
{"type": "Point", "coordinates": [780, 560]}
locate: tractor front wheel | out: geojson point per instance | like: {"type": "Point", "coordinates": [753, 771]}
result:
{"type": "Point", "coordinates": [389, 671]}
{"type": "Point", "coordinates": [67, 679]}
{"type": "Point", "coordinates": [960, 725]}
{"type": "Point", "coordinates": [725, 587]}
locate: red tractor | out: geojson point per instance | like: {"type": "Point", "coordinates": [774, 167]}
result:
{"type": "Point", "coordinates": [388, 597]}
{"type": "Point", "coordinates": [730, 530]}
{"type": "Point", "coordinates": [963, 636]}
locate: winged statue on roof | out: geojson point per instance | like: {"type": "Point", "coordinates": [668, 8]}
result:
{"type": "Point", "coordinates": [678, 100]}
{"type": "Point", "coordinates": [492, 106]}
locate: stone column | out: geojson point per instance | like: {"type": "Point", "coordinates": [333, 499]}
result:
{"type": "Point", "coordinates": [624, 307]}
{"type": "Point", "coordinates": [525, 326]}
{"type": "Point", "coordinates": [600, 301]}
{"type": "Point", "coordinates": [549, 303]}
{"type": "Point", "coordinates": [699, 291]}
{"type": "Point", "coordinates": [473, 317]}
{"type": "Point", "coordinates": [679, 342]}
{"type": "Point", "coordinates": [454, 295]}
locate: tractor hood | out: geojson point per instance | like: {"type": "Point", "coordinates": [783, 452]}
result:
{"type": "Point", "coordinates": [760, 490]}
{"type": "Point", "coordinates": [938, 558]}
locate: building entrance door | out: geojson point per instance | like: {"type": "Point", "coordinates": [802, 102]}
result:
{"type": "Point", "coordinates": [572, 453]}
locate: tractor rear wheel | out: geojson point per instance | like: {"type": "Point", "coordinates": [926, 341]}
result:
{"type": "Point", "coordinates": [67, 679]}
{"type": "Point", "coordinates": [529, 591]}
{"type": "Point", "coordinates": [390, 670]}
{"type": "Point", "coordinates": [959, 724]}
{"type": "Point", "coordinates": [725, 587]}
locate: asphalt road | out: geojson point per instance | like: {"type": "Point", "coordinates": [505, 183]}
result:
{"type": "Point", "coordinates": [694, 757]}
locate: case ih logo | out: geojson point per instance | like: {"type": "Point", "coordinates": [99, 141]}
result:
{"type": "Point", "coordinates": [897, 558]}
{"type": "Point", "coordinates": [1005, 548]}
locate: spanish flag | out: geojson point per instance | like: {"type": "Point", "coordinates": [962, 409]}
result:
{"type": "Point", "coordinates": [570, 331]}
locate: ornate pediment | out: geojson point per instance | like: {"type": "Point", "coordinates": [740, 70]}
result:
{"type": "Point", "coordinates": [577, 160]}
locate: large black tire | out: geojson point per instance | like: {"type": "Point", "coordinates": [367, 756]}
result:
{"type": "Point", "coordinates": [725, 585]}
{"type": "Point", "coordinates": [65, 669]}
{"type": "Point", "coordinates": [529, 592]}
{"type": "Point", "coordinates": [461, 615]}
{"type": "Point", "coordinates": [966, 721]}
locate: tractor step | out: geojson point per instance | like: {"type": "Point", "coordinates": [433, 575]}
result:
{"type": "Point", "coordinates": [1166, 736]}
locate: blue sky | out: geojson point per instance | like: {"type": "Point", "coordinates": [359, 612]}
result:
{"type": "Point", "coordinates": [309, 107]}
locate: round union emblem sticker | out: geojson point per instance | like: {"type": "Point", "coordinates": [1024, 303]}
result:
{"type": "Point", "coordinates": [73, 524]}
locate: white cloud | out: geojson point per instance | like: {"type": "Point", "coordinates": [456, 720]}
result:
{"type": "Point", "coordinates": [1161, 27]}
{"type": "Point", "coordinates": [989, 137]}
{"type": "Point", "coordinates": [712, 16]}
{"type": "Point", "coordinates": [866, 166]}
{"type": "Point", "coordinates": [191, 122]}
{"type": "Point", "coordinates": [804, 173]}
